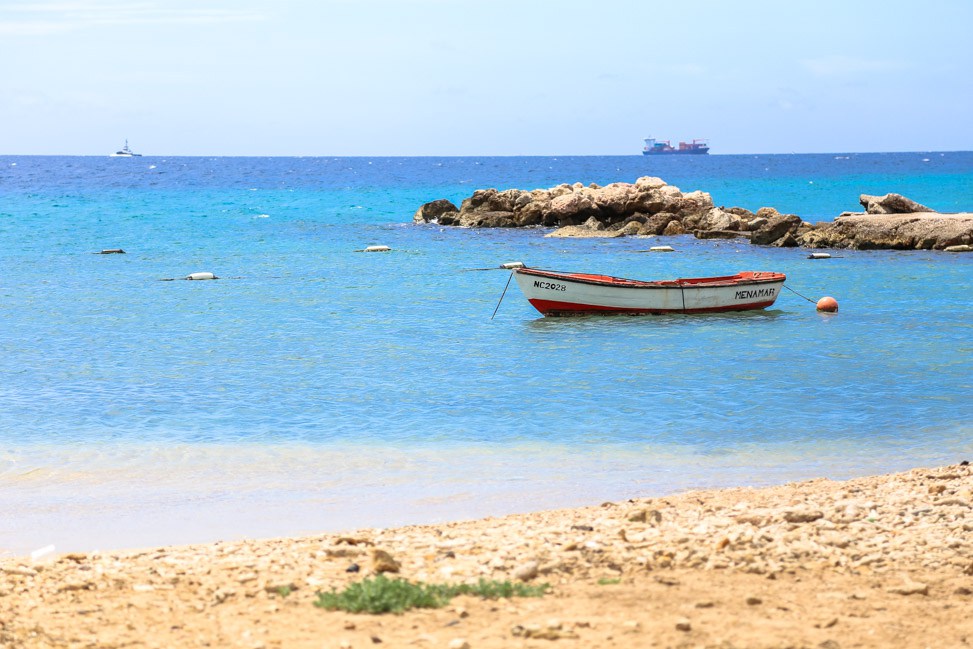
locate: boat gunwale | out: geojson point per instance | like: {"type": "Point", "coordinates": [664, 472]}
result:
{"type": "Point", "coordinates": [737, 279]}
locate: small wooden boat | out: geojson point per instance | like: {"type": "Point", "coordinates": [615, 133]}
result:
{"type": "Point", "coordinates": [560, 294]}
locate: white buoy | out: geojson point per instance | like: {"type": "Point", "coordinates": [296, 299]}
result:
{"type": "Point", "coordinates": [662, 249]}
{"type": "Point", "coordinates": [377, 249]}
{"type": "Point", "coordinates": [201, 276]}
{"type": "Point", "coordinates": [44, 553]}
{"type": "Point", "coordinates": [819, 255]}
{"type": "Point", "coordinates": [510, 265]}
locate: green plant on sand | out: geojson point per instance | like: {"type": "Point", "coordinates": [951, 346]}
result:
{"type": "Point", "coordinates": [384, 595]}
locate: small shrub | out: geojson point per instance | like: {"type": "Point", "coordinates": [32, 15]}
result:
{"type": "Point", "coordinates": [384, 595]}
{"type": "Point", "coordinates": [497, 589]}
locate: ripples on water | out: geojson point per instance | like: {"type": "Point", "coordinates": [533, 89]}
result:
{"type": "Point", "coordinates": [319, 388]}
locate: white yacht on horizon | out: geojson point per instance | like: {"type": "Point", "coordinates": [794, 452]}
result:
{"type": "Point", "coordinates": [125, 152]}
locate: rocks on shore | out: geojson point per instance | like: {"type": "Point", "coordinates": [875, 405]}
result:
{"type": "Point", "coordinates": [651, 207]}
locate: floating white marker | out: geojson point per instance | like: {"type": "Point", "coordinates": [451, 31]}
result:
{"type": "Point", "coordinates": [662, 249]}
{"type": "Point", "coordinates": [819, 255]}
{"type": "Point", "coordinates": [42, 553]}
{"type": "Point", "coordinates": [377, 249]}
{"type": "Point", "coordinates": [510, 265]}
{"type": "Point", "coordinates": [201, 276]}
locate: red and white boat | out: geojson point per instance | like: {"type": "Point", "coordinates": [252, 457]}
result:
{"type": "Point", "coordinates": [559, 294]}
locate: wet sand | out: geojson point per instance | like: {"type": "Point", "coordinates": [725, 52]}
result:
{"type": "Point", "coordinates": [881, 561]}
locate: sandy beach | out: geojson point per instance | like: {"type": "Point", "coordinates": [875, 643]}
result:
{"type": "Point", "coordinates": [882, 561]}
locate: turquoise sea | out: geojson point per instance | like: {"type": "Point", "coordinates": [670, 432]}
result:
{"type": "Point", "coordinates": [316, 388]}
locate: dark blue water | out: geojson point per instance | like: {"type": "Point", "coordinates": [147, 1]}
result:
{"type": "Point", "coordinates": [316, 387]}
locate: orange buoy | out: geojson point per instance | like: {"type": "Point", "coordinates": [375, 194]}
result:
{"type": "Point", "coordinates": [828, 305]}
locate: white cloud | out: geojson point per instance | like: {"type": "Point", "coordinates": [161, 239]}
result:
{"type": "Point", "coordinates": [31, 28]}
{"type": "Point", "coordinates": [840, 66]}
{"type": "Point", "coordinates": [40, 19]}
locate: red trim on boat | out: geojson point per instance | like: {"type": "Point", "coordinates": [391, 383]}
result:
{"type": "Point", "coordinates": [553, 307]}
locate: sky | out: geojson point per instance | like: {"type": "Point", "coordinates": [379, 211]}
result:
{"type": "Point", "coordinates": [478, 78]}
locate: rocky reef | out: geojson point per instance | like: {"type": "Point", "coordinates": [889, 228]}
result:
{"type": "Point", "coordinates": [651, 207]}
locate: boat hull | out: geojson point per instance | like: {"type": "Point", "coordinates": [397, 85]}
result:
{"type": "Point", "coordinates": [701, 151]}
{"type": "Point", "coordinates": [561, 294]}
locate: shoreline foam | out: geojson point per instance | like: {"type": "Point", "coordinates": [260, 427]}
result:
{"type": "Point", "coordinates": [875, 561]}
{"type": "Point", "coordinates": [111, 498]}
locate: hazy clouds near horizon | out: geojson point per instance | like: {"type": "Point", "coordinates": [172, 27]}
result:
{"type": "Point", "coordinates": [463, 77]}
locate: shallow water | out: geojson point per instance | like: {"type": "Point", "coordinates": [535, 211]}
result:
{"type": "Point", "coordinates": [318, 388]}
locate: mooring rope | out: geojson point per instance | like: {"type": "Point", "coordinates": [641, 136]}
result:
{"type": "Point", "coordinates": [798, 294]}
{"type": "Point", "coordinates": [502, 294]}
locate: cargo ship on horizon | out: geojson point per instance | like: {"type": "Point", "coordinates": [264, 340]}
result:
{"type": "Point", "coordinates": [664, 147]}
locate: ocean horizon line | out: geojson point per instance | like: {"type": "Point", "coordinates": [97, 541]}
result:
{"type": "Point", "coordinates": [460, 156]}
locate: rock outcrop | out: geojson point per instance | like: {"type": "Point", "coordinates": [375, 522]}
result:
{"type": "Point", "coordinates": [647, 207]}
{"type": "Point", "coordinates": [891, 204]}
{"type": "Point", "coordinates": [778, 229]}
{"type": "Point", "coordinates": [435, 210]}
{"type": "Point", "coordinates": [917, 231]}
{"type": "Point", "coordinates": [651, 207]}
